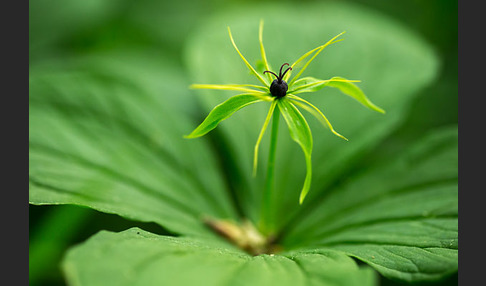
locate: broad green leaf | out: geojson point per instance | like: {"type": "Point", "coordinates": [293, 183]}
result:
{"type": "Point", "coordinates": [50, 237]}
{"type": "Point", "coordinates": [106, 131]}
{"type": "Point", "coordinates": [48, 32]}
{"type": "Point", "coordinates": [300, 133]}
{"type": "Point", "coordinates": [400, 216]}
{"type": "Point", "coordinates": [392, 63]}
{"type": "Point", "coordinates": [136, 257]}
{"type": "Point", "coordinates": [223, 111]}
{"type": "Point", "coordinates": [50, 36]}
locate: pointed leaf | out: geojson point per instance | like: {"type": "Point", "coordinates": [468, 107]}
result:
{"type": "Point", "coordinates": [311, 84]}
{"type": "Point", "coordinates": [223, 111]}
{"type": "Point", "coordinates": [262, 50]}
{"type": "Point", "coordinates": [237, 87]}
{"type": "Point", "coordinates": [318, 51]}
{"type": "Point", "coordinates": [300, 133]}
{"type": "Point", "coordinates": [316, 112]}
{"type": "Point", "coordinates": [250, 67]}
{"type": "Point", "coordinates": [355, 92]}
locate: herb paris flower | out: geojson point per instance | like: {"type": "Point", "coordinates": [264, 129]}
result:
{"type": "Point", "coordinates": [283, 98]}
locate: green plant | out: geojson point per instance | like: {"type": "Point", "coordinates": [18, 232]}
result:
{"type": "Point", "coordinates": [282, 100]}
{"type": "Point", "coordinates": [106, 132]}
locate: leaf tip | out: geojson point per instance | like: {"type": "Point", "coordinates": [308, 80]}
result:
{"type": "Point", "coordinates": [377, 109]}
{"type": "Point", "coordinates": [339, 135]}
{"type": "Point", "coordinates": [301, 198]}
{"type": "Point", "coordinates": [191, 136]}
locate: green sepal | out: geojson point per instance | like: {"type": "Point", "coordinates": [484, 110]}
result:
{"type": "Point", "coordinates": [300, 133]}
{"type": "Point", "coordinates": [355, 92]}
{"type": "Point", "coordinates": [223, 111]}
{"type": "Point", "coordinates": [311, 84]}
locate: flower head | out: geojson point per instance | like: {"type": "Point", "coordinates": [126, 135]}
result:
{"type": "Point", "coordinates": [282, 94]}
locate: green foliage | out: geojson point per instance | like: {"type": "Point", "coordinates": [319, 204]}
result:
{"type": "Point", "coordinates": [108, 140]}
{"type": "Point", "coordinates": [223, 111]}
{"type": "Point", "coordinates": [399, 216]}
{"type": "Point", "coordinates": [382, 54]}
{"type": "Point", "coordinates": [136, 257]}
{"type": "Point", "coordinates": [310, 84]}
{"type": "Point", "coordinates": [300, 133]}
{"type": "Point", "coordinates": [299, 129]}
{"type": "Point", "coordinates": [106, 131]}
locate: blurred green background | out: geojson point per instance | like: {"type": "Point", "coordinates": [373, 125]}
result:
{"type": "Point", "coordinates": [64, 30]}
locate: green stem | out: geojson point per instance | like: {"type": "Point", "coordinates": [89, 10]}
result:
{"type": "Point", "coordinates": [268, 194]}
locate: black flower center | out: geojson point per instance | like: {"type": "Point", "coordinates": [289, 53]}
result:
{"type": "Point", "coordinates": [279, 87]}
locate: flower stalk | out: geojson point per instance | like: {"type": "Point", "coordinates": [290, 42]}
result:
{"type": "Point", "coordinates": [269, 192]}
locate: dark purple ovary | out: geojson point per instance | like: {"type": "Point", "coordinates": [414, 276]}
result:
{"type": "Point", "coordinates": [279, 87]}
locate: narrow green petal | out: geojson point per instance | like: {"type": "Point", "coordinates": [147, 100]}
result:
{"type": "Point", "coordinates": [265, 124]}
{"type": "Point", "coordinates": [316, 112]}
{"type": "Point", "coordinates": [300, 133]}
{"type": "Point", "coordinates": [308, 178]}
{"type": "Point", "coordinates": [310, 84]}
{"type": "Point", "coordinates": [238, 87]}
{"type": "Point", "coordinates": [246, 62]}
{"type": "Point", "coordinates": [318, 50]}
{"type": "Point", "coordinates": [304, 56]}
{"type": "Point", "coordinates": [355, 92]}
{"type": "Point", "coordinates": [262, 50]}
{"type": "Point", "coordinates": [223, 111]}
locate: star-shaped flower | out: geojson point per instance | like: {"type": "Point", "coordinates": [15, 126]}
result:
{"type": "Point", "coordinates": [281, 94]}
